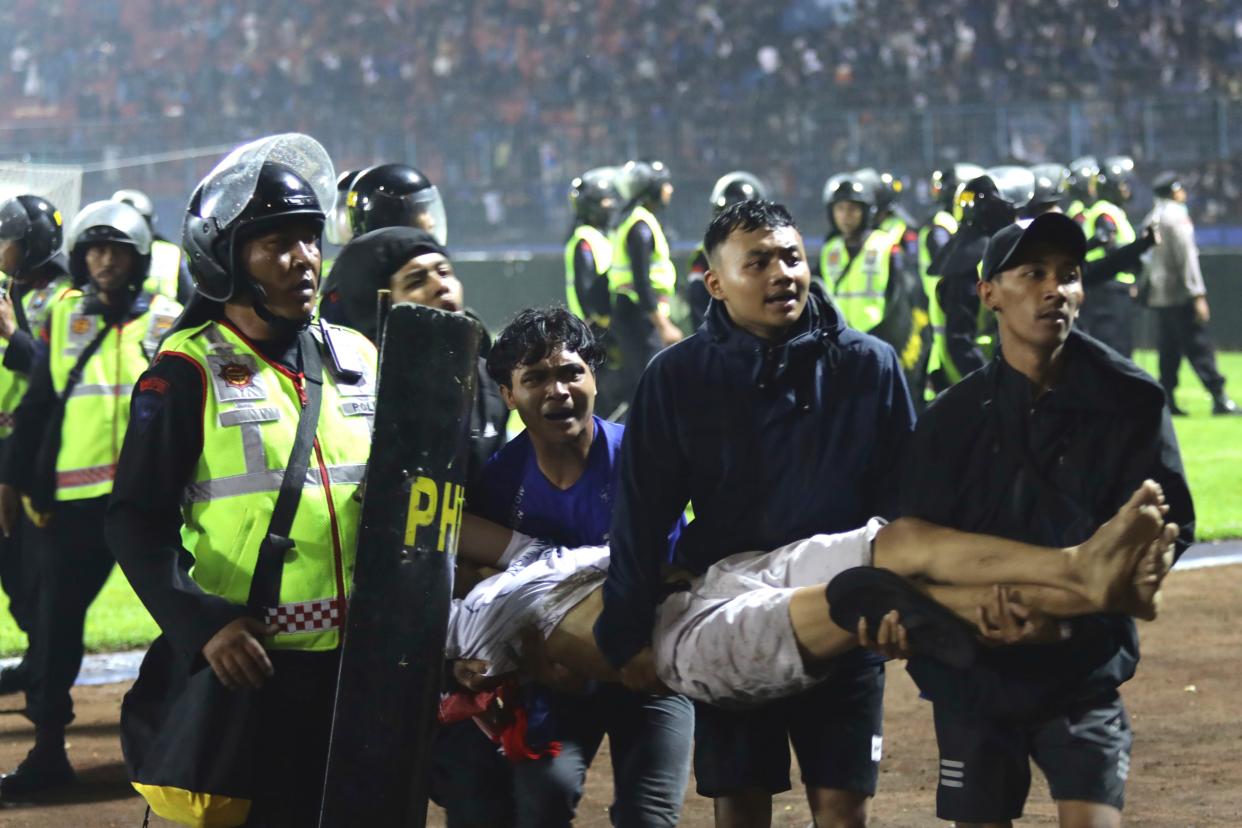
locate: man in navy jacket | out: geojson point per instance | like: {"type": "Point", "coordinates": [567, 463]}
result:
{"type": "Point", "coordinates": [776, 422]}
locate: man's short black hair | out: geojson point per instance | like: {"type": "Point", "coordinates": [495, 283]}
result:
{"type": "Point", "coordinates": [746, 216]}
{"type": "Point", "coordinates": [536, 332]}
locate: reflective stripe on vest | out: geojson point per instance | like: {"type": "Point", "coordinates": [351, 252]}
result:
{"type": "Point", "coordinates": [1125, 233]}
{"type": "Point", "coordinates": [37, 305]}
{"type": "Point", "coordinates": [97, 410]}
{"type": "Point", "coordinates": [663, 274]}
{"type": "Point", "coordinates": [857, 285]}
{"type": "Point", "coordinates": [601, 251]}
{"type": "Point", "coordinates": [164, 277]}
{"type": "Point", "coordinates": [250, 418]}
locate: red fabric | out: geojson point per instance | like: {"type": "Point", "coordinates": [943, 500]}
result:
{"type": "Point", "coordinates": [500, 714]}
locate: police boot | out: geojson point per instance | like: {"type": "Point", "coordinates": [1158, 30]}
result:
{"type": "Point", "coordinates": [45, 767]}
{"type": "Point", "coordinates": [1221, 404]}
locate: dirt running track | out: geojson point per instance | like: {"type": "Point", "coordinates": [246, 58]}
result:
{"type": "Point", "coordinates": [1184, 705]}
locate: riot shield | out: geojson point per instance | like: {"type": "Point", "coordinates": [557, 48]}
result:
{"type": "Point", "coordinates": [393, 652]}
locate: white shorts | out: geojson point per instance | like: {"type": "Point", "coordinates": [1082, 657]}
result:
{"type": "Point", "coordinates": [729, 641]}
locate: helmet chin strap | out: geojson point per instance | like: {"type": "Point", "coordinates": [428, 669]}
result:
{"type": "Point", "coordinates": [282, 326]}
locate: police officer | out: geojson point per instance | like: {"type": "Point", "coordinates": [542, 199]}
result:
{"type": "Point", "coordinates": [866, 272]}
{"type": "Point", "coordinates": [890, 215]}
{"type": "Point", "coordinates": [989, 203]}
{"type": "Point", "coordinates": [170, 275]}
{"type": "Point", "coordinates": [31, 237]}
{"type": "Point", "coordinates": [1108, 311]}
{"type": "Point", "coordinates": [214, 425]}
{"type": "Point", "coordinates": [1081, 186]}
{"type": "Point", "coordinates": [643, 279]}
{"type": "Point", "coordinates": [946, 184]}
{"type": "Point", "coordinates": [588, 253]}
{"type": "Point", "coordinates": [63, 453]}
{"type": "Point", "coordinates": [730, 188]}
{"type": "Point", "coordinates": [1051, 190]}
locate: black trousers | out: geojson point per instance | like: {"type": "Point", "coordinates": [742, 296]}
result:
{"type": "Point", "coordinates": [74, 564]}
{"type": "Point", "coordinates": [1108, 315]}
{"type": "Point", "coordinates": [1179, 334]}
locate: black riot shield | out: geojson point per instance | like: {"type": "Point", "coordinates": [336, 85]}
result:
{"type": "Point", "coordinates": [393, 653]}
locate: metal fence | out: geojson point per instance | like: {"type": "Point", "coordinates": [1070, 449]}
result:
{"type": "Point", "coordinates": [505, 182]}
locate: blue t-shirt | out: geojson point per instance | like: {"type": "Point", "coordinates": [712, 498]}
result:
{"type": "Point", "coordinates": [513, 491]}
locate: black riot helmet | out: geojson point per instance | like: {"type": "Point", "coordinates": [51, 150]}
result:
{"type": "Point", "coordinates": [849, 187]}
{"type": "Point", "coordinates": [37, 224]}
{"type": "Point", "coordinates": [1051, 188]}
{"type": "Point", "coordinates": [1114, 181]}
{"type": "Point", "coordinates": [110, 222]}
{"type": "Point", "coordinates": [1082, 173]}
{"type": "Point", "coordinates": [642, 182]}
{"type": "Point", "coordinates": [257, 186]}
{"type": "Point", "coordinates": [993, 201]}
{"type": "Point", "coordinates": [948, 181]}
{"type": "Point", "coordinates": [395, 195]}
{"type": "Point", "coordinates": [593, 197]}
{"type": "Point", "coordinates": [886, 186]}
{"type": "Point", "coordinates": [734, 187]}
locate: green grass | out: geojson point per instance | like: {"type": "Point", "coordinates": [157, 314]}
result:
{"type": "Point", "coordinates": [1211, 448]}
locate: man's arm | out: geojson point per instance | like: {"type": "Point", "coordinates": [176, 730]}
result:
{"type": "Point", "coordinates": [161, 448]}
{"type": "Point", "coordinates": [1117, 260]}
{"type": "Point", "coordinates": [653, 491]}
{"type": "Point", "coordinates": [640, 244]}
{"type": "Point", "coordinates": [21, 352]}
{"type": "Point", "coordinates": [585, 274]}
{"type": "Point", "coordinates": [30, 421]}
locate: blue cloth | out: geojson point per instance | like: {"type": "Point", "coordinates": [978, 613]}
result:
{"type": "Point", "coordinates": [771, 443]}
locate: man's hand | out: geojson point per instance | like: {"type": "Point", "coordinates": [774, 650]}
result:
{"type": "Point", "coordinates": [890, 640]}
{"type": "Point", "coordinates": [1203, 314]}
{"type": "Point", "coordinates": [1006, 620]}
{"type": "Point", "coordinates": [1152, 233]}
{"type": "Point", "coordinates": [639, 675]}
{"type": "Point", "coordinates": [669, 333]}
{"type": "Point", "coordinates": [8, 321]}
{"type": "Point", "coordinates": [470, 673]}
{"type": "Point", "coordinates": [236, 655]}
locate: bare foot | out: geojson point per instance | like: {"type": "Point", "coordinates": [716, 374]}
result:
{"type": "Point", "coordinates": [1107, 560]}
{"type": "Point", "coordinates": [1149, 575]}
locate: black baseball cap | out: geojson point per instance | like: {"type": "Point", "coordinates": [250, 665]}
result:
{"type": "Point", "coordinates": [1009, 247]}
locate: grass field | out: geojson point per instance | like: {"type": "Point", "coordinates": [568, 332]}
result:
{"type": "Point", "coordinates": [1211, 448]}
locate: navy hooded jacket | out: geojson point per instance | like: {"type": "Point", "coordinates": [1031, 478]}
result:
{"type": "Point", "coordinates": [770, 442]}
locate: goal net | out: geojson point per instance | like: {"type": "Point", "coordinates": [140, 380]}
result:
{"type": "Point", "coordinates": [61, 184]}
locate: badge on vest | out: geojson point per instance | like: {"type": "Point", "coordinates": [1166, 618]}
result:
{"type": "Point", "coordinates": [82, 330]}
{"type": "Point", "coordinates": [235, 377]}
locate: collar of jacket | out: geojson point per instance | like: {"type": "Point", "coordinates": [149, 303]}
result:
{"type": "Point", "coordinates": [813, 337]}
{"type": "Point", "coordinates": [92, 305]}
{"type": "Point", "coordinates": [1096, 378]}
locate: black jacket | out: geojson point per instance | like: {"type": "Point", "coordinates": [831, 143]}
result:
{"type": "Point", "coordinates": [989, 457]}
{"type": "Point", "coordinates": [772, 443]}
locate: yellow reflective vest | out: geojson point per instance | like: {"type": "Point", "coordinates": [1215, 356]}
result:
{"type": "Point", "coordinates": [250, 419]}
{"type": "Point", "coordinates": [97, 410]}
{"type": "Point", "coordinates": [1125, 233]}
{"type": "Point", "coordinates": [37, 304]}
{"type": "Point", "coordinates": [857, 284]}
{"type": "Point", "coordinates": [164, 277]}
{"type": "Point", "coordinates": [663, 274]}
{"type": "Point", "coordinates": [601, 251]}
{"type": "Point", "coordinates": [935, 312]}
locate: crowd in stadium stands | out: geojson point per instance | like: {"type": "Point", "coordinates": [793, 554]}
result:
{"type": "Point", "coordinates": [491, 79]}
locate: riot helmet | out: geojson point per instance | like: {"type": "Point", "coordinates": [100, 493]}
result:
{"type": "Point", "coordinates": [1082, 173]}
{"type": "Point", "coordinates": [947, 182]}
{"type": "Point", "coordinates": [593, 197]}
{"type": "Point", "coordinates": [1114, 181]}
{"type": "Point", "coordinates": [734, 187]}
{"type": "Point", "coordinates": [140, 201]}
{"type": "Point", "coordinates": [37, 225]}
{"type": "Point", "coordinates": [256, 186]}
{"type": "Point", "coordinates": [849, 187]}
{"type": "Point", "coordinates": [109, 222]}
{"type": "Point", "coordinates": [395, 195]}
{"type": "Point", "coordinates": [993, 201]}
{"type": "Point", "coordinates": [886, 186]}
{"type": "Point", "coordinates": [1051, 187]}
{"type": "Point", "coordinates": [642, 181]}
{"type": "Point", "coordinates": [337, 230]}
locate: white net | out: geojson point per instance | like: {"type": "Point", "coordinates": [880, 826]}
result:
{"type": "Point", "coordinates": [61, 184]}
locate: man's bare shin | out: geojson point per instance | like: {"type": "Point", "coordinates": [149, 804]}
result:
{"type": "Point", "coordinates": [818, 637]}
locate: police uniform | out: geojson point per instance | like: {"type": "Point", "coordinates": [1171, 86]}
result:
{"type": "Point", "coordinates": [642, 280]}
{"type": "Point", "coordinates": [932, 239]}
{"type": "Point", "coordinates": [1108, 312]}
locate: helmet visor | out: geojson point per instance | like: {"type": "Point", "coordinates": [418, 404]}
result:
{"type": "Point", "coordinates": [14, 220]}
{"type": "Point", "coordinates": [425, 210]}
{"type": "Point", "coordinates": [111, 220]}
{"type": "Point", "coordinates": [1016, 184]}
{"type": "Point", "coordinates": [228, 188]}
